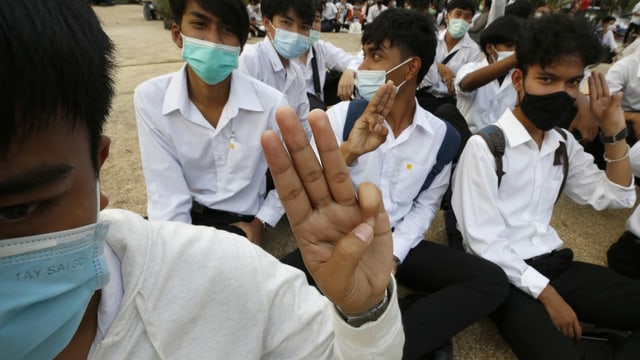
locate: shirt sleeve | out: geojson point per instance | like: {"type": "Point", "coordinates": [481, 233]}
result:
{"type": "Point", "coordinates": [464, 71]}
{"type": "Point", "coordinates": [474, 201]}
{"type": "Point", "coordinates": [168, 195]}
{"type": "Point", "coordinates": [317, 331]}
{"type": "Point", "coordinates": [411, 228]}
{"type": "Point", "coordinates": [337, 58]}
{"type": "Point", "coordinates": [616, 77]}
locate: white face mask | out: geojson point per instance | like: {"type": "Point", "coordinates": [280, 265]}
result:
{"type": "Point", "coordinates": [611, 27]}
{"type": "Point", "coordinates": [502, 54]}
{"type": "Point", "coordinates": [369, 81]}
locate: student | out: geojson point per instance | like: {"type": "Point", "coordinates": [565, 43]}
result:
{"type": "Point", "coordinates": [481, 21]}
{"type": "Point", "coordinates": [624, 76]}
{"type": "Point", "coordinates": [506, 220]}
{"type": "Point", "coordinates": [329, 21]}
{"type": "Point", "coordinates": [607, 39]}
{"type": "Point", "coordinates": [327, 56]}
{"type": "Point", "coordinates": [394, 145]}
{"type": "Point", "coordinates": [114, 286]}
{"type": "Point", "coordinates": [199, 128]}
{"type": "Point", "coordinates": [256, 27]}
{"type": "Point", "coordinates": [454, 49]}
{"type": "Point", "coordinates": [634, 25]}
{"type": "Point", "coordinates": [375, 10]}
{"type": "Point", "coordinates": [484, 88]}
{"type": "Point", "coordinates": [287, 23]}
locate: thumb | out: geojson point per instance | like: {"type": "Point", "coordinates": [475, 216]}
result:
{"type": "Point", "coordinates": [349, 250]}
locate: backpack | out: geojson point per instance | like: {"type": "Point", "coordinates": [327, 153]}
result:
{"type": "Point", "coordinates": [624, 255]}
{"type": "Point", "coordinates": [446, 152]}
{"type": "Point", "coordinates": [494, 137]}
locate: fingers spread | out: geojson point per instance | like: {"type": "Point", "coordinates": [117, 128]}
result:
{"type": "Point", "coordinates": [336, 172]}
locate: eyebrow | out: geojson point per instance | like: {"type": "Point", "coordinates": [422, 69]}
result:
{"type": "Point", "coordinates": [35, 179]}
{"type": "Point", "coordinates": [547, 73]}
{"type": "Point", "coordinates": [200, 15]}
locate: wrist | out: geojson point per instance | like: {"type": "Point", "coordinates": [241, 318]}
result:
{"type": "Point", "coordinates": [614, 135]}
{"type": "Point", "coordinates": [258, 222]}
{"type": "Point", "coordinates": [372, 313]}
{"type": "Point", "coordinates": [348, 154]}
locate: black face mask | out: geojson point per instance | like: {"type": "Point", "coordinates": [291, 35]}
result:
{"type": "Point", "coordinates": [550, 110]}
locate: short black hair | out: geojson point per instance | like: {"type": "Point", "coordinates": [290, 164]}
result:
{"type": "Point", "coordinates": [487, 3]}
{"type": "Point", "coordinates": [409, 31]}
{"type": "Point", "coordinates": [56, 66]}
{"type": "Point", "coordinates": [543, 40]}
{"type": "Point", "coordinates": [305, 9]}
{"type": "Point", "coordinates": [232, 13]}
{"type": "Point", "coordinates": [504, 30]}
{"type": "Point", "coordinates": [520, 8]}
{"type": "Point", "coordinates": [462, 4]}
{"type": "Point", "coordinates": [607, 19]}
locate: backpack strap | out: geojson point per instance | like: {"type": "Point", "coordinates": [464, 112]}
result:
{"type": "Point", "coordinates": [561, 157]}
{"type": "Point", "coordinates": [356, 108]}
{"type": "Point", "coordinates": [445, 155]}
{"type": "Point", "coordinates": [494, 138]}
{"type": "Point", "coordinates": [316, 74]}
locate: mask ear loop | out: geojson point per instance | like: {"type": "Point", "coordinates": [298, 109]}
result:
{"type": "Point", "coordinates": [395, 68]}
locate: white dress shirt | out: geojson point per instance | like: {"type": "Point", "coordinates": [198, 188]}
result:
{"type": "Point", "coordinates": [624, 75]}
{"type": "Point", "coordinates": [328, 57]}
{"type": "Point", "coordinates": [609, 41]}
{"type": "Point", "coordinates": [261, 61]}
{"type": "Point", "coordinates": [374, 11]}
{"type": "Point", "coordinates": [633, 223]}
{"type": "Point", "coordinates": [484, 105]}
{"type": "Point", "coordinates": [510, 224]}
{"type": "Point", "coordinates": [468, 52]}
{"type": "Point", "coordinates": [330, 11]}
{"type": "Point", "coordinates": [185, 158]}
{"type": "Point", "coordinates": [399, 167]}
{"type": "Point", "coordinates": [255, 12]}
{"type": "Point", "coordinates": [635, 18]}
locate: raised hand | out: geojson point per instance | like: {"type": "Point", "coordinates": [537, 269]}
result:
{"type": "Point", "coordinates": [369, 131]}
{"type": "Point", "coordinates": [345, 240]}
{"type": "Point", "coordinates": [605, 107]}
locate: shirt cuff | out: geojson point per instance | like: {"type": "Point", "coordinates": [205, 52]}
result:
{"type": "Point", "coordinates": [532, 282]}
{"type": "Point", "coordinates": [270, 216]}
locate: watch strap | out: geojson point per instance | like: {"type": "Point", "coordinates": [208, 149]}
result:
{"type": "Point", "coordinates": [359, 319]}
{"type": "Point", "coordinates": [615, 138]}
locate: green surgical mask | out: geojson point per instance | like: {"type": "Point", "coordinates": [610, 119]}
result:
{"type": "Point", "coordinates": [210, 61]}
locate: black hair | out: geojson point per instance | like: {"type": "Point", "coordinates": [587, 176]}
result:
{"type": "Point", "coordinates": [409, 31]}
{"type": "Point", "coordinates": [305, 9]}
{"type": "Point", "coordinates": [232, 13]}
{"type": "Point", "coordinates": [520, 8]}
{"type": "Point", "coordinates": [504, 30]}
{"type": "Point", "coordinates": [607, 19]}
{"type": "Point", "coordinates": [543, 40]}
{"type": "Point", "coordinates": [487, 3]}
{"type": "Point", "coordinates": [463, 5]}
{"type": "Point", "coordinates": [56, 66]}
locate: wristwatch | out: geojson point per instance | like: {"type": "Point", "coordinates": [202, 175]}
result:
{"type": "Point", "coordinates": [359, 319]}
{"type": "Point", "coordinates": [614, 139]}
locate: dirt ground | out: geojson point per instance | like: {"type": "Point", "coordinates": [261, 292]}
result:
{"type": "Point", "coordinates": [145, 50]}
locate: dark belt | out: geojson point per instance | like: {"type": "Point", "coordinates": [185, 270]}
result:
{"type": "Point", "coordinates": [203, 210]}
{"type": "Point", "coordinates": [541, 257]}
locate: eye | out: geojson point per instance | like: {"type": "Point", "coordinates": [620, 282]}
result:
{"type": "Point", "coordinates": [17, 212]}
{"type": "Point", "coordinates": [226, 30]}
{"type": "Point", "coordinates": [545, 79]}
{"type": "Point", "coordinates": [198, 24]}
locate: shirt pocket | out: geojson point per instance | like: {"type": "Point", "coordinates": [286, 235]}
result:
{"type": "Point", "coordinates": [243, 161]}
{"type": "Point", "coordinates": [409, 178]}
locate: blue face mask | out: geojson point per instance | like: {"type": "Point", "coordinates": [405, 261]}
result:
{"type": "Point", "coordinates": [369, 81]}
{"type": "Point", "coordinates": [457, 28]}
{"type": "Point", "coordinates": [46, 282]}
{"type": "Point", "coordinates": [290, 45]}
{"type": "Point", "coordinates": [314, 35]}
{"type": "Point", "coordinates": [210, 61]}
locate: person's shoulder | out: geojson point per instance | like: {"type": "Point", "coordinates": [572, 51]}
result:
{"type": "Point", "coordinates": [153, 86]}
{"type": "Point", "coordinates": [265, 93]}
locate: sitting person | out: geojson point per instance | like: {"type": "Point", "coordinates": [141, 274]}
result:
{"type": "Point", "coordinates": [323, 56]}
{"type": "Point", "coordinates": [395, 145]}
{"type": "Point", "coordinates": [504, 215]}
{"type": "Point", "coordinates": [80, 283]}
{"type": "Point", "coordinates": [624, 76]}
{"type": "Point", "coordinates": [256, 27]}
{"type": "Point", "coordinates": [199, 128]}
{"type": "Point", "coordinates": [454, 49]}
{"type": "Point", "coordinates": [607, 39]}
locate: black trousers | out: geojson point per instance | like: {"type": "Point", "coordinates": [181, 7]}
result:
{"type": "Point", "coordinates": [597, 295]}
{"type": "Point", "coordinates": [221, 220]}
{"type": "Point", "coordinates": [461, 289]}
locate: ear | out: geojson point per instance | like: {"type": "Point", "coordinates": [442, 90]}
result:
{"type": "Point", "coordinates": [517, 78]}
{"type": "Point", "coordinates": [103, 154]}
{"type": "Point", "coordinates": [176, 35]}
{"type": "Point", "coordinates": [268, 27]}
{"type": "Point", "coordinates": [414, 67]}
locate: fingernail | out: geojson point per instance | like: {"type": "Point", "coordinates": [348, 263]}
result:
{"type": "Point", "coordinates": [364, 232]}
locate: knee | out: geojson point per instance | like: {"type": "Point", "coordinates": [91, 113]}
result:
{"type": "Point", "coordinates": [493, 282]}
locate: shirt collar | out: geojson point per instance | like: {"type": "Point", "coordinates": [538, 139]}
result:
{"type": "Point", "coordinates": [464, 41]}
{"type": "Point", "coordinates": [272, 54]}
{"type": "Point", "coordinates": [242, 94]}
{"type": "Point", "coordinates": [422, 118]}
{"type": "Point", "coordinates": [515, 134]}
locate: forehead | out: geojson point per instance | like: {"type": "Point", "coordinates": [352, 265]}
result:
{"type": "Point", "coordinates": [461, 12]}
{"type": "Point", "coordinates": [291, 15]}
{"type": "Point", "coordinates": [567, 66]}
